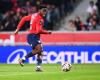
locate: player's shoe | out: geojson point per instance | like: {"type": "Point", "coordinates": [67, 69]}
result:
{"type": "Point", "coordinates": [38, 69]}
{"type": "Point", "coordinates": [21, 62]}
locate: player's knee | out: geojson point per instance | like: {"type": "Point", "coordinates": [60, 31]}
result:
{"type": "Point", "coordinates": [39, 50]}
{"type": "Point", "coordinates": [36, 51]}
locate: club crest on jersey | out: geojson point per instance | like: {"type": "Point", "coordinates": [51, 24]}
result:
{"type": "Point", "coordinates": [41, 22]}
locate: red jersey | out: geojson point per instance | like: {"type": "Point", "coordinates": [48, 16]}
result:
{"type": "Point", "coordinates": [36, 23]}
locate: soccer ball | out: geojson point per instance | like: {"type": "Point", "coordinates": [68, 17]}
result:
{"type": "Point", "coordinates": [66, 66]}
{"type": "Point", "coordinates": [38, 68]}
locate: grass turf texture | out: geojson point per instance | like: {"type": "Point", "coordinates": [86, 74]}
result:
{"type": "Point", "coordinates": [51, 72]}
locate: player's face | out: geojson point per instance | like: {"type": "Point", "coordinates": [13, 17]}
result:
{"type": "Point", "coordinates": [43, 12]}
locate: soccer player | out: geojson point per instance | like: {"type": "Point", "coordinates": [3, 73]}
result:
{"type": "Point", "coordinates": [33, 38]}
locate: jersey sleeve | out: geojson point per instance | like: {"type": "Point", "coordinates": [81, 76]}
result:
{"type": "Point", "coordinates": [44, 31]}
{"type": "Point", "coordinates": [23, 20]}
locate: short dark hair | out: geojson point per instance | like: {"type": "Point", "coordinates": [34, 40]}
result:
{"type": "Point", "coordinates": [42, 7]}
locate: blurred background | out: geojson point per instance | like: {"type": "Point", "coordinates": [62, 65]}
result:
{"type": "Point", "coordinates": [63, 15]}
{"type": "Point", "coordinates": [75, 25]}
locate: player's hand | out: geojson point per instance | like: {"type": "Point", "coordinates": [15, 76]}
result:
{"type": "Point", "coordinates": [16, 31]}
{"type": "Point", "coordinates": [49, 32]}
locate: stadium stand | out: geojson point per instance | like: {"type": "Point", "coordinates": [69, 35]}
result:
{"type": "Point", "coordinates": [11, 14]}
{"type": "Point", "coordinates": [85, 17]}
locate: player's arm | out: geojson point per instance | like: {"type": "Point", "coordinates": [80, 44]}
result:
{"type": "Point", "coordinates": [23, 20]}
{"type": "Point", "coordinates": [45, 32]}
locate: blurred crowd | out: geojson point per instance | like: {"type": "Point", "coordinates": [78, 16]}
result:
{"type": "Point", "coordinates": [92, 18]}
{"type": "Point", "coordinates": [11, 12]}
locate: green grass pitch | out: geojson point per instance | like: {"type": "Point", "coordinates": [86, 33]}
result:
{"type": "Point", "coordinates": [51, 72]}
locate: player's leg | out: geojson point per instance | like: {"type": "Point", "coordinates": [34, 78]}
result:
{"type": "Point", "coordinates": [37, 49]}
{"type": "Point", "coordinates": [39, 62]}
{"type": "Point", "coordinates": [21, 61]}
{"type": "Point", "coordinates": [34, 42]}
{"type": "Point", "coordinates": [31, 41]}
